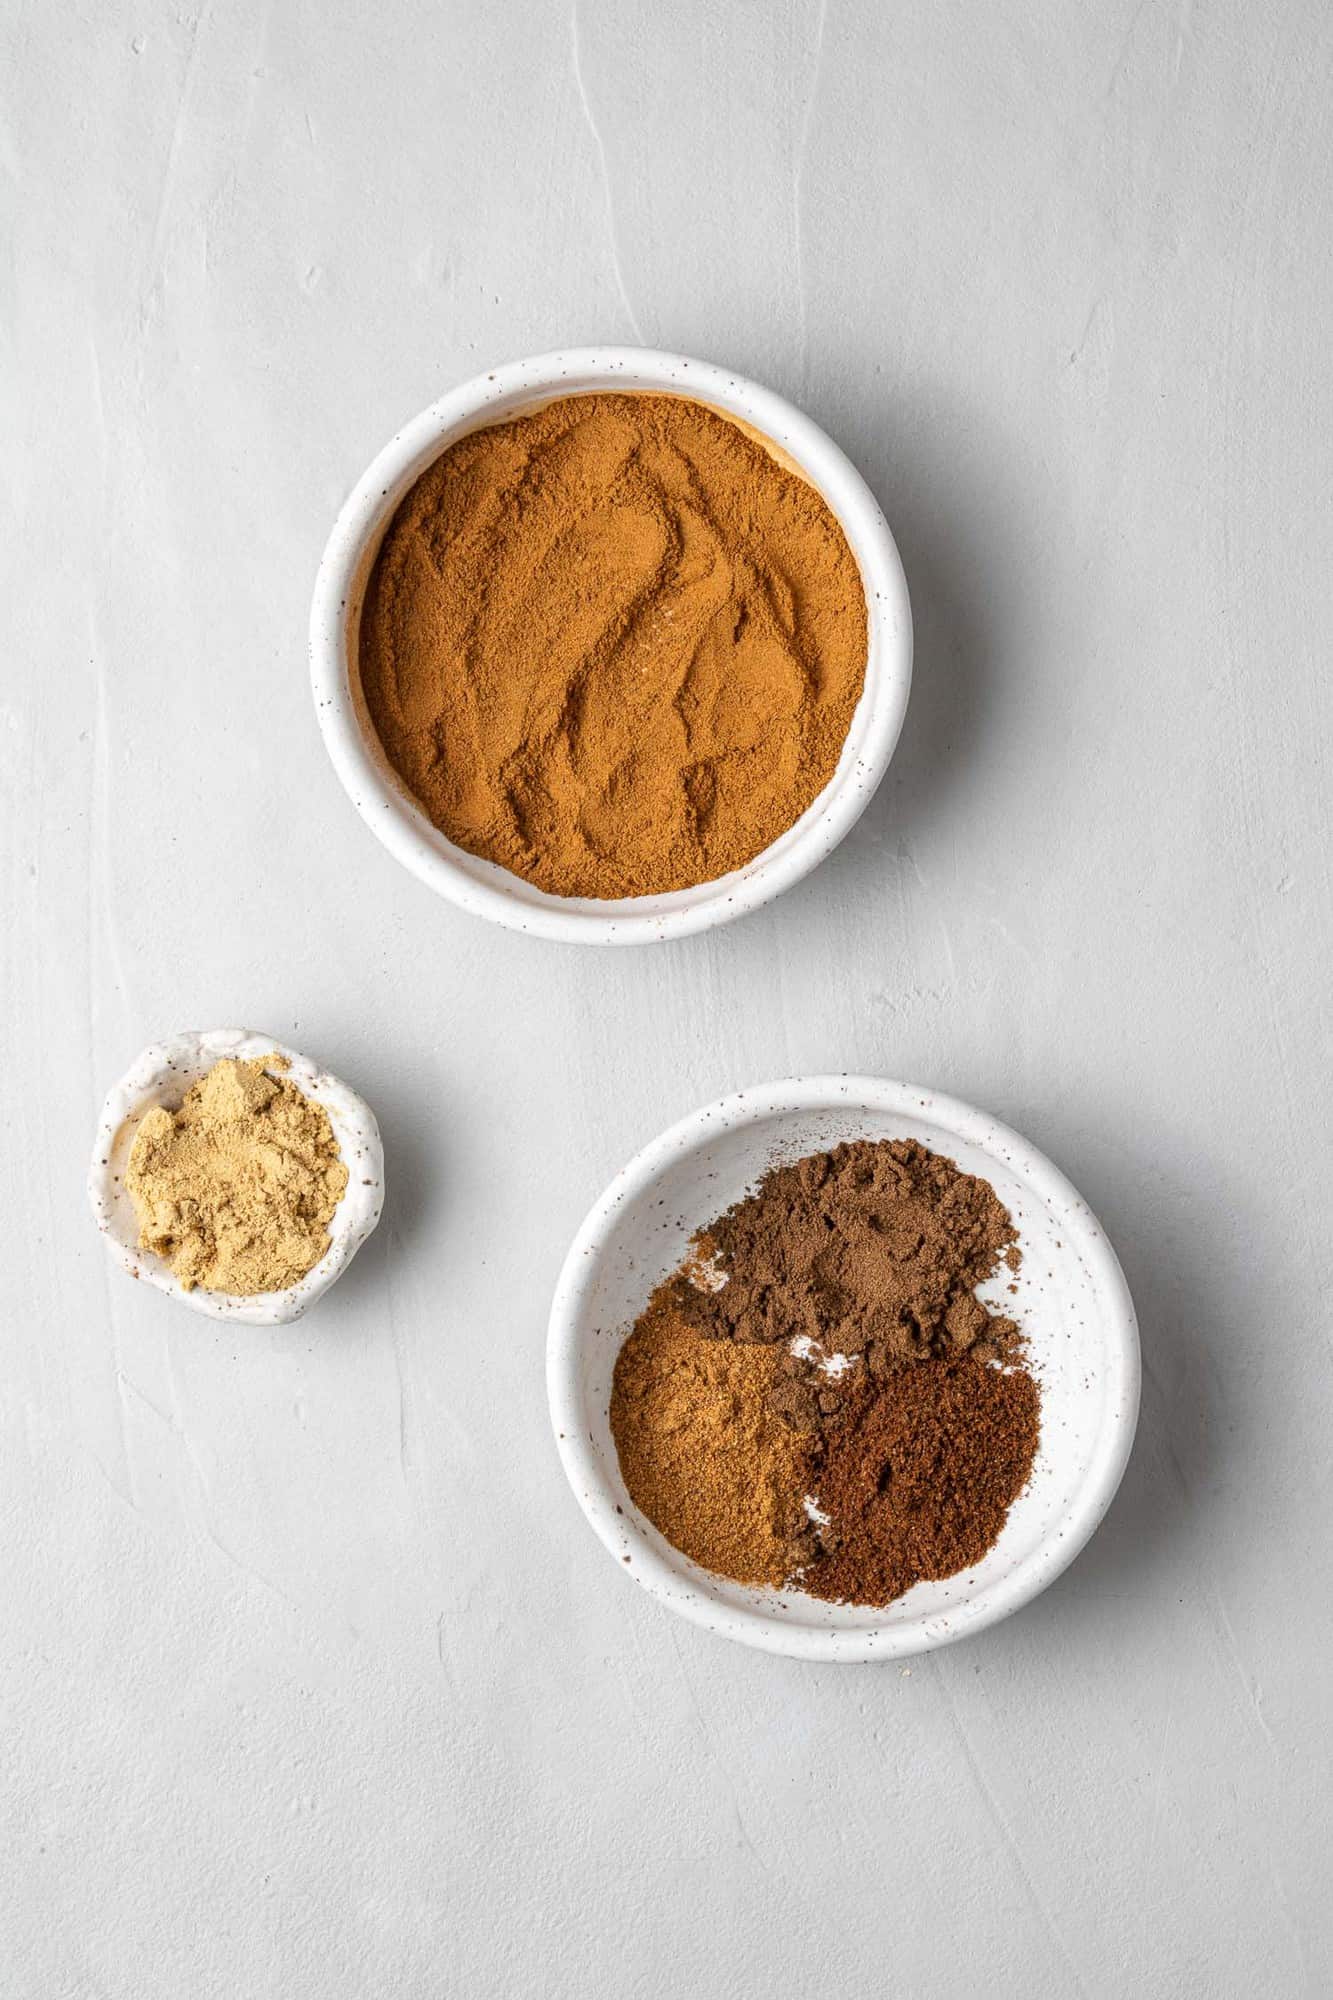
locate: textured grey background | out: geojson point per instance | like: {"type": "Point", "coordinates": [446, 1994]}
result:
{"type": "Point", "coordinates": [315, 1681]}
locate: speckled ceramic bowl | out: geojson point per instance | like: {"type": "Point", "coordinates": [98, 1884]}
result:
{"type": "Point", "coordinates": [1071, 1300]}
{"type": "Point", "coordinates": [479, 886]}
{"type": "Point", "coordinates": [162, 1075]}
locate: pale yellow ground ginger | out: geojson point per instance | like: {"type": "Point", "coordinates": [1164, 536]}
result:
{"type": "Point", "coordinates": [236, 1189]}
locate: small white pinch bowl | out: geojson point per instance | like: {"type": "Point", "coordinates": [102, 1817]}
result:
{"type": "Point", "coordinates": [480, 886]}
{"type": "Point", "coordinates": [1071, 1301]}
{"type": "Point", "coordinates": [162, 1075]}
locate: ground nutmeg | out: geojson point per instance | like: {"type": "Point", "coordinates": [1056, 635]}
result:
{"type": "Point", "coordinates": [704, 1448]}
{"type": "Point", "coordinates": [613, 645]}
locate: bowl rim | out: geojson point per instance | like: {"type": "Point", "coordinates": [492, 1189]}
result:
{"type": "Point", "coordinates": [1065, 1537]}
{"type": "Point", "coordinates": [482, 888]}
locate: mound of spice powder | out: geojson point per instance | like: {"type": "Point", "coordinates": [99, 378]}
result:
{"type": "Point", "coordinates": [902, 1458]}
{"type": "Point", "coordinates": [705, 1453]}
{"type": "Point", "coordinates": [614, 645]}
{"type": "Point", "coordinates": [236, 1189]}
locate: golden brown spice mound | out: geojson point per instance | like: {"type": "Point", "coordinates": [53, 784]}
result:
{"type": "Point", "coordinates": [704, 1452]}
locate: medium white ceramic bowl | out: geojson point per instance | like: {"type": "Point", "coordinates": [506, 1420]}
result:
{"type": "Point", "coordinates": [1071, 1300]}
{"type": "Point", "coordinates": [481, 887]}
{"type": "Point", "coordinates": [162, 1075]}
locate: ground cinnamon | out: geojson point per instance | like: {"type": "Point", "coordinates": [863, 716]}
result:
{"type": "Point", "coordinates": [845, 1284]}
{"type": "Point", "coordinates": [613, 645]}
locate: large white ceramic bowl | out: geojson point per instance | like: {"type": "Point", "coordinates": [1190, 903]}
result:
{"type": "Point", "coordinates": [161, 1075]}
{"type": "Point", "coordinates": [1071, 1300]}
{"type": "Point", "coordinates": [480, 886]}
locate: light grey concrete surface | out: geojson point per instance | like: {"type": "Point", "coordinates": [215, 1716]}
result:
{"type": "Point", "coordinates": [314, 1680]}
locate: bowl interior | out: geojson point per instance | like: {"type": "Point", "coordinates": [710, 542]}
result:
{"type": "Point", "coordinates": [796, 443]}
{"type": "Point", "coordinates": [1067, 1295]}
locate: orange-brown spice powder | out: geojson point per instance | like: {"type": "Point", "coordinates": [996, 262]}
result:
{"type": "Point", "coordinates": [614, 645]}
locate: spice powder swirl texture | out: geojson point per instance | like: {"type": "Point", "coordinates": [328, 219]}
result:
{"type": "Point", "coordinates": [613, 646]}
